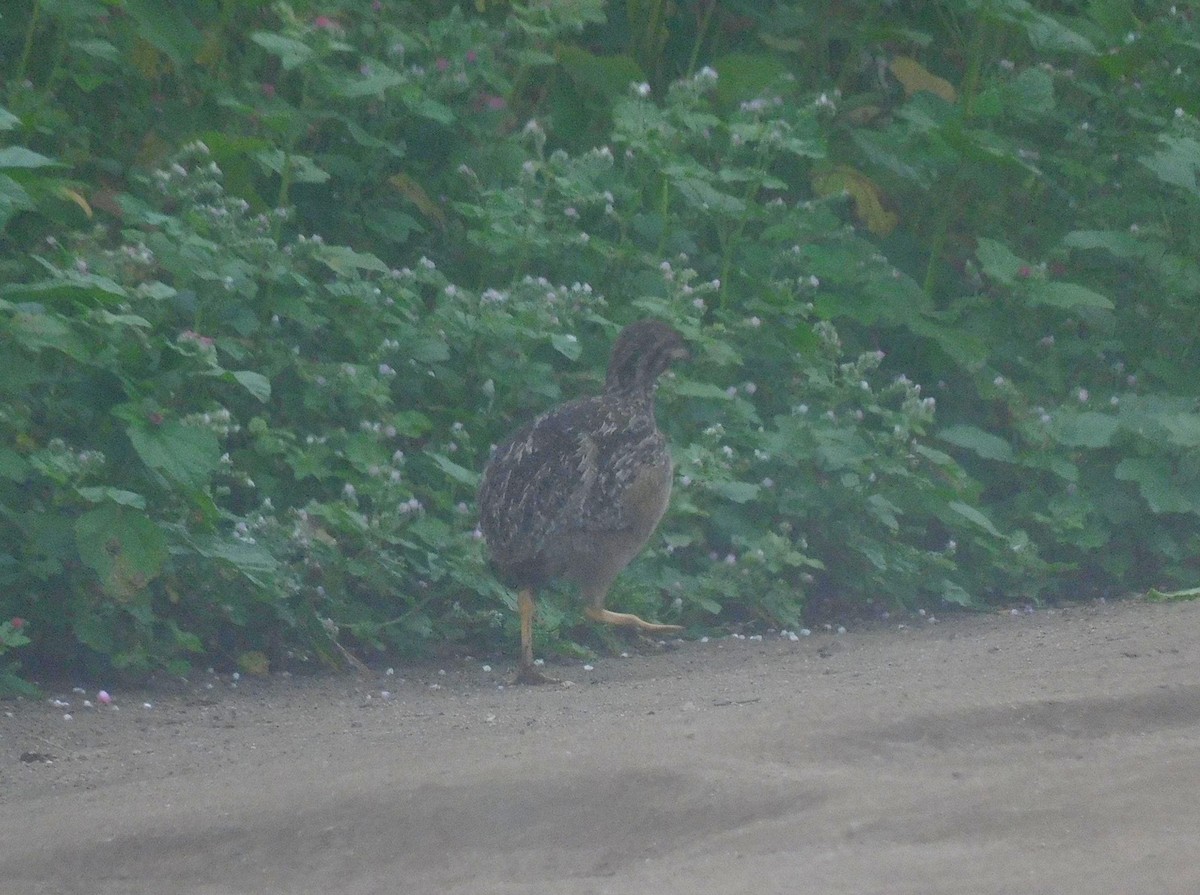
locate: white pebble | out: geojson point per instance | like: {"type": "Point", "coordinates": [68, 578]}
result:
{"type": "Point", "coordinates": [805, 632]}
{"type": "Point", "coordinates": [67, 716]}
{"type": "Point", "coordinates": [624, 655]}
{"type": "Point", "coordinates": [147, 705]}
{"type": "Point", "coordinates": [390, 671]}
{"type": "Point", "coordinates": [792, 636]}
{"type": "Point", "coordinates": [704, 640]}
{"type": "Point", "coordinates": [442, 672]}
{"type": "Point", "coordinates": [487, 667]}
{"type": "Point", "coordinates": [841, 629]}
{"type": "Point", "coordinates": [539, 662]}
{"type": "Point", "coordinates": [589, 667]}
{"type": "Point", "coordinates": [756, 637]}
{"type": "Point", "coordinates": [385, 694]}
{"type": "Point", "coordinates": [87, 704]}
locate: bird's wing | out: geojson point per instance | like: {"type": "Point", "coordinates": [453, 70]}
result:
{"type": "Point", "coordinates": [568, 468]}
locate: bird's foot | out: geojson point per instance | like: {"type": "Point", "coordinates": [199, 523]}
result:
{"type": "Point", "coordinates": [529, 675]}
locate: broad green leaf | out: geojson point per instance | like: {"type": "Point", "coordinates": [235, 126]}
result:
{"type": "Point", "coordinates": [344, 260]}
{"type": "Point", "coordinates": [8, 120]}
{"type": "Point", "coordinates": [20, 157]}
{"type": "Point", "coordinates": [116, 495]}
{"type": "Point", "coordinates": [1177, 163]}
{"type": "Point", "coordinates": [974, 516]}
{"type": "Point", "coordinates": [998, 261]}
{"type": "Point", "coordinates": [1161, 489]}
{"type": "Point", "coordinates": [1031, 93]}
{"type": "Point", "coordinates": [1088, 429]}
{"type": "Point", "coordinates": [1048, 35]}
{"type": "Point", "coordinates": [985, 444]}
{"type": "Point", "coordinates": [255, 383]}
{"type": "Point", "coordinates": [1066, 296]}
{"type": "Point", "coordinates": [737, 492]}
{"type": "Point", "coordinates": [567, 345]}
{"type": "Point", "coordinates": [79, 289]}
{"type": "Point", "coordinates": [123, 546]}
{"type": "Point", "coordinates": [607, 75]}
{"type": "Point", "coordinates": [1119, 243]}
{"type": "Point", "coordinates": [186, 454]}
{"type": "Point", "coordinates": [291, 52]}
{"type": "Point", "coordinates": [689, 388]}
{"type": "Point", "coordinates": [460, 474]}
{"type": "Point", "coordinates": [166, 27]}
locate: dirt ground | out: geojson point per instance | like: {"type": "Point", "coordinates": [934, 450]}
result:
{"type": "Point", "coordinates": [1052, 752]}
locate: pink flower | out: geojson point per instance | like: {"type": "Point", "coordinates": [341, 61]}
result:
{"type": "Point", "coordinates": [17, 622]}
{"type": "Point", "coordinates": [268, 90]}
{"type": "Point", "coordinates": [495, 103]}
{"type": "Point", "coordinates": [442, 63]}
{"type": "Point", "coordinates": [1025, 272]}
{"type": "Point", "coordinates": [103, 698]}
{"type": "Point", "coordinates": [472, 55]}
{"type": "Point", "coordinates": [325, 22]}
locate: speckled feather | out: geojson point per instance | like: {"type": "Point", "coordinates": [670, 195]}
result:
{"type": "Point", "coordinates": [567, 473]}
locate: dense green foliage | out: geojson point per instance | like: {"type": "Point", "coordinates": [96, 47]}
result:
{"type": "Point", "coordinates": [274, 277]}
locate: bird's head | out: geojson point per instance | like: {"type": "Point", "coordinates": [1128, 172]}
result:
{"type": "Point", "coordinates": [643, 352]}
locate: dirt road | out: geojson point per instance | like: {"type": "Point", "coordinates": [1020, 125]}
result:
{"type": "Point", "coordinates": [1053, 752]}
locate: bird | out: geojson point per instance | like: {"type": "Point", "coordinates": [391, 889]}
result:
{"type": "Point", "coordinates": [576, 493]}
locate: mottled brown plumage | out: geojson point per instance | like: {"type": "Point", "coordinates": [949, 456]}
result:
{"type": "Point", "coordinates": [577, 492]}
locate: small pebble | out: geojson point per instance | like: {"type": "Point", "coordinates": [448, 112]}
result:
{"type": "Point", "coordinates": [704, 640]}
{"type": "Point", "coordinates": [841, 629]}
{"type": "Point", "coordinates": [385, 694]}
{"type": "Point", "coordinates": [67, 716]}
{"type": "Point", "coordinates": [589, 667]}
{"type": "Point", "coordinates": [87, 704]}
{"type": "Point", "coordinates": [756, 637]}
{"type": "Point", "coordinates": [60, 704]}
{"type": "Point", "coordinates": [792, 636]}
{"type": "Point", "coordinates": [442, 672]}
{"type": "Point", "coordinates": [237, 675]}
{"type": "Point", "coordinates": [805, 632]}
{"type": "Point", "coordinates": [390, 671]}
{"type": "Point", "coordinates": [487, 667]}
{"type": "Point", "coordinates": [624, 655]}
{"type": "Point", "coordinates": [435, 686]}
{"type": "Point", "coordinates": [539, 662]}
{"type": "Point", "coordinates": [79, 690]}
{"type": "Point", "coordinates": [147, 705]}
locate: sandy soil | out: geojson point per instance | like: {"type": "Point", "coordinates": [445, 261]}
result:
{"type": "Point", "coordinates": [1053, 752]}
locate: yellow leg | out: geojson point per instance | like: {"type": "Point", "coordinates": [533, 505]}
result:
{"type": "Point", "coordinates": [628, 620]}
{"type": "Point", "coordinates": [526, 672]}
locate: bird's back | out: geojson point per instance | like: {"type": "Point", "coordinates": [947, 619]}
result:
{"type": "Point", "coordinates": [577, 471]}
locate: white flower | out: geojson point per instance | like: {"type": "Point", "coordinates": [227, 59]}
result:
{"type": "Point", "coordinates": [642, 89]}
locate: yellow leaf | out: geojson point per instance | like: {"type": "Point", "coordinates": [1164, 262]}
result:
{"type": "Point", "coordinates": [77, 199]}
{"type": "Point", "coordinates": [868, 198]}
{"type": "Point", "coordinates": [915, 77]}
{"type": "Point", "coordinates": [413, 192]}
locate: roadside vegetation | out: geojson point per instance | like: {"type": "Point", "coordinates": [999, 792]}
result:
{"type": "Point", "coordinates": [274, 277]}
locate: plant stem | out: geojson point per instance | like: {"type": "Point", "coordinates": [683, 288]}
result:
{"type": "Point", "coordinates": [23, 65]}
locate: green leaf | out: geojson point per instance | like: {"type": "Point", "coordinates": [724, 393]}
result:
{"type": "Point", "coordinates": [291, 52]}
{"type": "Point", "coordinates": [344, 260]}
{"type": "Point", "coordinates": [1119, 243]}
{"type": "Point", "coordinates": [1031, 93]}
{"type": "Point", "coordinates": [116, 495]}
{"type": "Point", "coordinates": [998, 261]}
{"type": "Point", "coordinates": [8, 120]}
{"type": "Point", "coordinates": [737, 492]}
{"type": "Point", "coordinates": [166, 27]}
{"type": "Point", "coordinates": [1066, 296]}
{"type": "Point", "coordinates": [689, 388]}
{"type": "Point", "coordinates": [1160, 488]}
{"type": "Point", "coordinates": [974, 516]}
{"type": "Point", "coordinates": [186, 454]}
{"type": "Point", "coordinates": [567, 345]}
{"type": "Point", "coordinates": [126, 549]}
{"type": "Point", "coordinates": [255, 383]}
{"type": "Point", "coordinates": [20, 157]}
{"type": "Point", "coordinates": [609, 76]}
{"type": "Point", "coordinates": [1177, 163]}
{"type": "Point", "coordinates": [460, 474]}
{"type": "Point", "coordinates": [985, 444]}
{"type": "Point", "coordinates": [1085, 430]}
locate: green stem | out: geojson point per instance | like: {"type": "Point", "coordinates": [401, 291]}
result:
{"type": "Point", "coordinates": [701, 33]}
{"type": "Point", "coordinates": [23, 65]}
